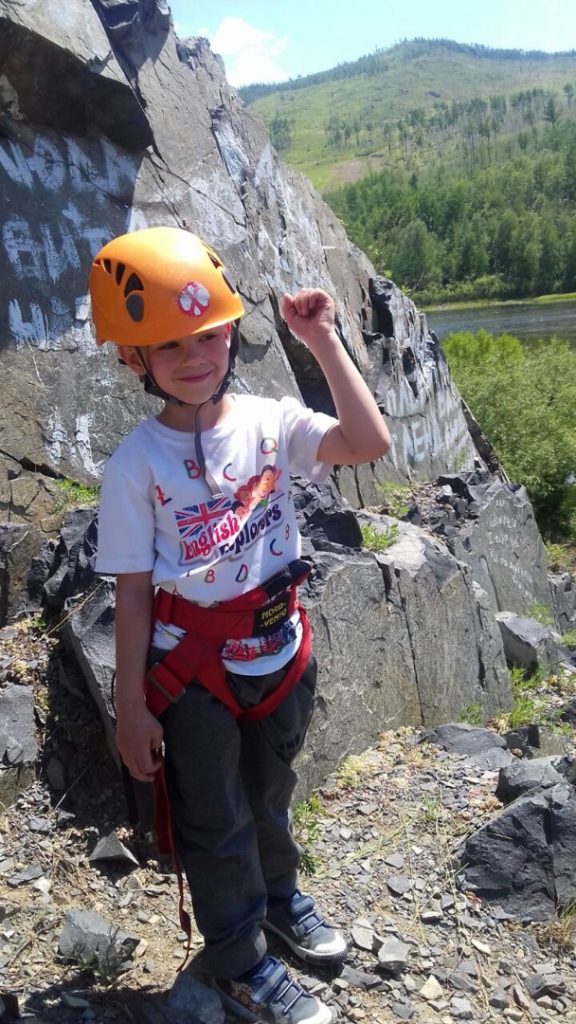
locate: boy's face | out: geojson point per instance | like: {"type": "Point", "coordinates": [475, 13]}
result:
{"type": "Point", "coordinates": [190, 368]}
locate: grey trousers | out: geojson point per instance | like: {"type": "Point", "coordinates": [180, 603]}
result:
{"type": "Point", "coordinates": [230, 784]}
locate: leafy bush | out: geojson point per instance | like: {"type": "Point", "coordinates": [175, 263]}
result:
{"type": "Point", "coordinates": [524, 399]}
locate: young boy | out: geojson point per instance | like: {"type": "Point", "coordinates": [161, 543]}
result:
{"type": "Point", "coordinates": [196, 509]}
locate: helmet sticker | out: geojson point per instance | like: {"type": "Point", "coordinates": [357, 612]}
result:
{"type": "Point", "coordinates": [194, 299]}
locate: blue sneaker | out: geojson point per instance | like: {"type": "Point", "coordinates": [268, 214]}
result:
{"type": "Point", "coordinates": [297, 921]}
{"type": "Point", "coordinates": [270, 994]}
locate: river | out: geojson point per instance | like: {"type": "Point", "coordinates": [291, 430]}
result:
{"type": "Point", "coordinates": [526, 321]}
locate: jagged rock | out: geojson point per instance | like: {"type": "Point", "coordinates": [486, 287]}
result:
{"type": "Point", "coordinates": [524, 859]}
{"type": "Point", "coordinates": [111, 848]}
{"type": "Point", "coordinates": [86, 935]}
{"type": "Point", "coordinates": [538, 985]}
{"type": "Point", "coordinates": [522, 776]}
{"type": "Point", "coordinates": [527, 643]}
{"type": "Point", "coordinates": [18, 747]}
{"type": "Point", "coordinates": [70, 566]}
{"type": "Point", "coordinates": [19, 542]}
{"type": "Point", "coordinates": [563, 589]}
{"type": "Point", "coordinates": [89, 634]}
{"type": "Point", "coordinates": [493, 530]}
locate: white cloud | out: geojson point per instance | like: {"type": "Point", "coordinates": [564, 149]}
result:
{"type": "Point", "coordinates": [249, 53]}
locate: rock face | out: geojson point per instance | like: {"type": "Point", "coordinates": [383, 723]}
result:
{"type": "Point", "coordinates": [110, 124]}
{"type": "Point", "coordinates": [389, 630]}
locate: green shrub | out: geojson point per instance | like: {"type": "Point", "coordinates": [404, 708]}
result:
{"type": "Point", "coordinates": [373, 540]}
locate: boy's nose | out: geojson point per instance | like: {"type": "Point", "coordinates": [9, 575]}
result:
{"type": "Point", "coordinates": [191, 348]}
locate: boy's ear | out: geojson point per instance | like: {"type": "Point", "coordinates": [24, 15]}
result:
{"type": "Point", "coordinates": [129, 356]}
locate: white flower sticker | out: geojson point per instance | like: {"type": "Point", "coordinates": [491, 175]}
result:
{"type": "Point", "coordinates": [194, 299]}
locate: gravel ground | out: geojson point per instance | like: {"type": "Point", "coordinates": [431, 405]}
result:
{"type": "Point", "coordinates": [379, 838]}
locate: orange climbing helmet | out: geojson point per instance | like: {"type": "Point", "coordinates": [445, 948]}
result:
{"type": "Point", "coordinates": [157, 285]}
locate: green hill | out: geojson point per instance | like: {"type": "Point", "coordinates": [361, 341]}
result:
{"type": "Point", "coordinates": [405, 106]}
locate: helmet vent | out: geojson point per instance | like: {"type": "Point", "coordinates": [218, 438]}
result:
{"type": "Point", "coordinates": [135, 307]}
{"type": "Point", "coordinates": [214, 259]}
{"type": "Point", "coordinates": [133, 284]}
{"type": "Point", "coordinates": [120, 268]}
{"type": "Point", "coordinates": [229, 282]}
{"type": "Point", "coordinates": [107, 264]}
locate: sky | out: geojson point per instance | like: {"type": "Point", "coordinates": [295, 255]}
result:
{"type": "Point", "coordinates": [273, 40]}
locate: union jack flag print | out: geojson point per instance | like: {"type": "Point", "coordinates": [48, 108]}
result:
{"type": "Point", "coordinates": [193, 520]}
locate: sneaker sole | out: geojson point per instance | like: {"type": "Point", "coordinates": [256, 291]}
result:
{"type": "Point", "coordinates": [308, 954]}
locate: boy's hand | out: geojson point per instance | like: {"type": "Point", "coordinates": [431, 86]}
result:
{"type": "Point", "coordinates": [310, 315]}
{"type": "Point", "coordinates": [139, 739]}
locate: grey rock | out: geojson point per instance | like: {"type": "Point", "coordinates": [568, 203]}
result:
{"type": "Point", "coordinates": [501, 544]}
{"type": "Point", "coordinates": [17, 730]}
{"type": "Point", "coordinates": [42, 825]}
{"type": "Point", "coordinates": [525, 857]}
{"type": "Point", "coordinates": [358, 978]}
{"type": "Point", "coordinates": [498, 999]}
{"type": "Point", "coordinates": [362, 937]}
{"type": "Point", "coordinates": [527, 643]}
{"type": "Point", "coordinates": [461, 738]}
{"type": "Point", "coordinates": [461, 1009]}
{"type": "Point", "coordinates": [522, 776]}
{"type": "Point", "coordinates": [393, 955]}
{"type": "Point", "coordinates": [538, 985]}
{"type": "Point", "coordinates": [563, 589]}
{"type": "Point", "coordinates": [399, 884]}
{"type": "Point", "coordinates": [110, 848]}
{"type": "Point", "coordinates": [191, 996]}
{"type": "Point", "coordinates": [28, 874]}
{"type": "Point", "coordinates": [405, 1011]}
{"type": "Point", "coordinates": [87, 935]}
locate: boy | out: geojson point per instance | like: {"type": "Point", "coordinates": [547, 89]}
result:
{"type": "Point", "coordinates": [195, 506]}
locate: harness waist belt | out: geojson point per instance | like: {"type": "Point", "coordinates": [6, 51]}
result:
{"type": "Point", "coordinates": [197, 656]}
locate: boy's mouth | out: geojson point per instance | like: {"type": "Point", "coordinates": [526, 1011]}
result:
{"type": "Point", "coordinates": [195, 378]}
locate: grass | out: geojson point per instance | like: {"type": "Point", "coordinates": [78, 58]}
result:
{"type": "Point", "coordinates": [561, 557]}
{"type": "Point", "coordinates": [561, 932]}
{"type": "Point", "coordinates": [375, 540]}
{"type": "Point", "coordinates": [306, 823]}
{"type": "Point", "coordinates": [75, 495]}
{"type": "Point", "coordinates": [531, 706]}
{"type": "Point", "coordinates": [473, 714]}
{"type": "Point", "coordinates": [569, 638]}
{"type": "Point", "coordinates": [394, 498]}
{"type": "Point", "coordinates": [541, 613]}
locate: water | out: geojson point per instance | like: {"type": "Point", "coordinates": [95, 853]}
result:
{"type": "Point", "coordinates": [527, 322]}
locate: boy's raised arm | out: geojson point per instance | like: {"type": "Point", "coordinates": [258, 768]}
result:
{"type": "Point", "coordinates": [361, 434]}
{"type": "Point", "coordinates": [138, 733]}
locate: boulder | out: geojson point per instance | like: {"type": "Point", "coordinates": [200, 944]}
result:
{"type": "Point", "coordinates": [528, 644]}
{"type": "Point", "coordinates": [482, 747]}
{"type": "Point", "coordinates": [524, 859]}
{"type": "Point", "coordinates": [523, 775]}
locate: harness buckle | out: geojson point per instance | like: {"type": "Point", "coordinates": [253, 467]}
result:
{"type": "Point", "coordinates": [165, 682]}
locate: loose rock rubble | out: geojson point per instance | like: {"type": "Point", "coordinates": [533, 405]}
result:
{"type": "Point", "coordinates": [382, 837]}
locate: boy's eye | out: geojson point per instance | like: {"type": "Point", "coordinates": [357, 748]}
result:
{"type": "Point", "coordinates": [168, 345]}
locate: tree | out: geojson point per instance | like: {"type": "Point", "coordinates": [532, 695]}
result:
{"type": "Point", "coordinates": [414, 260]}
{"type": "Point", "coordinates": [524, 401]}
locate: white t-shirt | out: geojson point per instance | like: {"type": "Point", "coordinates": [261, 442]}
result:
{"type": "Point", "coordinates": [158, 514]}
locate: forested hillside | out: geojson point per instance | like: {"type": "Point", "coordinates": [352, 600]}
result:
{"type": "Point", "coordinates": [496, 230]}
{"type": "Point", "coordinates": [461, 162]}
